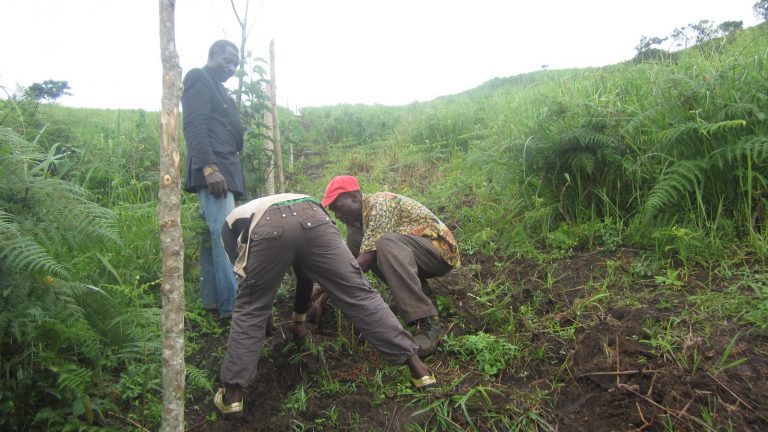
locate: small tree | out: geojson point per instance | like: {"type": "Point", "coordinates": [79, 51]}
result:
{"type": "Point", "coordinates": [681, 37]}
{"type": "Point", "coordinates": [761, 9]}
{"type": "Point", "coordinates": [729, 27]}
{"type": "Point", "coordinates": [243, 22]}
{"type": "Point", "coordinates": [646, 51]}
{"type": "Point", "coordinates": [647, 43]}
{"type": "Point", "coordinates": [257, 157]}
{"type": "Point", "coordinates": [703, 31]}
{"type": "Point", "coordinates": [49, 90]}
{"type": "Point", "coordinates": [252, 100]}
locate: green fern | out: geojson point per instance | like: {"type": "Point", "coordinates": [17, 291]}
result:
{"type": "Point", "coordinates": [47, 225]}
{"type": "Point", "coordinates": [584, 162]}
{"type": "Point", "coordinates": [754, 148]}
{"type": "Point", "coordinates": [710, 129]}
{"type": "Point", "coordinates": [42, 219]}
{"type": "Point", "coordinates": [674, 184]}
{"type": "Point", "coordinates": [737, 109]}
{"type": "Point", "coordinates": [692, 129]}
{"type": "Point", "coordinates": [669, 136]}
{"type": "Point", "coordinates": [20, 251]}
{"type": "Point", "coordinates": [73, 378]}
{"type": "Point", "coordinates": [596, 139]}
{"type": "Point", "coordinates": [199, 378]}
{"type": "Point", "coordinates": [638, 122]}
{"type": "Point", "coordinates": [140, 334]}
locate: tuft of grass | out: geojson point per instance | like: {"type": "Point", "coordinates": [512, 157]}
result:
{"type": "Point", "coordinates": [490, 353]}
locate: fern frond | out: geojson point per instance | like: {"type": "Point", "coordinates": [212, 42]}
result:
{"type": "Point", "coordinates": [723, 126]}
{"type": "Point", "coordinates": [20, 252]}
{"type": "Point", "coordinates": [140, 333]}
{"type": "Point", "coordinates": [73, 378]}
{"type": "Point", "coordinates": [44, 219]}
{"type": "Point", "coordinates": [636, 122]}
{"type": "Point", "coordinates": [673, 134]}
{"type": "Point", "coordinates": [73, 212]}
{"type": "Point", "coordinates": [14, 148]}
{"type": "Point", "coordinates": [597, 139]}
{"type": "Point", "coordinates": [199, 378]}
{"type": "Point", "coordinates": [584, 162]}
{"type": "Point", "coordinates": [674, 184]}
{"type": "Point", "coordinates": [138, 351]}
{"type": "Point", "coordinates": [734, 110]}
{"type": "Point", "coordinates": [754, 147]}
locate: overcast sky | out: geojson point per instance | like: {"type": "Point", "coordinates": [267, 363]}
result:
{"type": "Point", "coordinates": [390, 52]}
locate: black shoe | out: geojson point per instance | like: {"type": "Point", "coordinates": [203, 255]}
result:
{"type": "Point", "coordinates": [225, 322]}
{"type": "Point", "coordinates": [427, 334]}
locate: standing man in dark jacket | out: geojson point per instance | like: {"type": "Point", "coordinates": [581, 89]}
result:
{"type": "Point", "coordinates": [214, 138]}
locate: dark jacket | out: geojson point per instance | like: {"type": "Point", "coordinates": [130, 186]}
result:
{"type": "Point", "coordinates": [212, 132]}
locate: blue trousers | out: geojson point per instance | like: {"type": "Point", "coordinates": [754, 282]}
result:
{"type": "Point", "coordinates": [218, 285]}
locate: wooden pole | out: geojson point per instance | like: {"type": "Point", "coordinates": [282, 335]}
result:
{"type": "Point", "coordinates": [275, 120]}
{"type": "Point", "coordinates": [168, 218]}
{"type": "Point", "coordinates": [290, 160]}
{"type": "Point", "coordinates": [269, 146]}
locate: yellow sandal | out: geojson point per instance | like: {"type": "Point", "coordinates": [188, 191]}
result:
{"type": "Point", "coordinates": [424, 382]}
{"type": "Point", "coordinates": [234, 409]}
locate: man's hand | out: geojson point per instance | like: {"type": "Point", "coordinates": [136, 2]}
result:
{"type": "Point", "coordinates": [269, 331]}
{"type": "Point", "coordinates": [316, 309]}
{"type": "Point", "coordinates": [217, 184]}
{"type": "Point", "coordinates": [299, 332]}
{"type": "Point", "coordinates": [317, 291]}
{"type": "Point", "coordinates": [365, 260]}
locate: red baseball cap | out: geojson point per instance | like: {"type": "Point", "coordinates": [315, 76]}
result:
{"type": "Point", "coordinates": [337, 186]}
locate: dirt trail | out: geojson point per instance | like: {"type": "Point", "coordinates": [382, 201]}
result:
{"type": "Point", "coordinates": [595, 359]}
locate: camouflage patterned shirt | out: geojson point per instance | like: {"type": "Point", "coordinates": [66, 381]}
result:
{"type": "Point", "coordinates": [385, 212]}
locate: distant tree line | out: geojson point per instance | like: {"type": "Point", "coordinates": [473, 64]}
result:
{"type": "Point", "coordinates": [694, 34]}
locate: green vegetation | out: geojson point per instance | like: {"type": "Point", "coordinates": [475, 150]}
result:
{"type": "Point", "coordinates": [582, 199]}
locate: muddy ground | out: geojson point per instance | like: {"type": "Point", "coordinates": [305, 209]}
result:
{"type": "Point", "coordinates": [590, 363]}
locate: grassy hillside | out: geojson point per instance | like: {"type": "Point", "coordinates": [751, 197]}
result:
{"type": "Point", "coordinates": [636, 147]}
{"type": "Point", "coordinates": [613, 229]}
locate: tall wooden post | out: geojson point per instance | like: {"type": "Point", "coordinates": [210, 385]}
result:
{"type": "Point", "coordinates": [275, 120]}
{"type": "Point", "coordinates": [168, 218]}
{"type": "Point", "coordinates": [290, 161]}
{"type": "Point", "coordinates": [269, 146]}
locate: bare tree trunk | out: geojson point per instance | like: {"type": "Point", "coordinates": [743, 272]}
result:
{"type": "Point", "coordinates": [275, 120]}
{"type": "Point", "coordinates": [270, 147]}
{"type": "Point", "coordinates": [168, 218]}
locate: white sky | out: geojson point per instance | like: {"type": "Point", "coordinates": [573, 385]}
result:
{"type": "Point", "coordinates": [389, 52]}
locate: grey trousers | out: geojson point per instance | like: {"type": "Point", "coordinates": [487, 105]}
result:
{"type": "Point", "coordinates": [404, 262]}
{"type": "Point", "coordinates": [305, 235]}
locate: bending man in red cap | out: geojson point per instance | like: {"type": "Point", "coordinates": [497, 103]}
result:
{"type": "Point", "coordinates": [403, 243]}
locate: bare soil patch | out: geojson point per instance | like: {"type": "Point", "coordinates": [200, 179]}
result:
{"type": "Point", "coordinates": [594, 358]}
